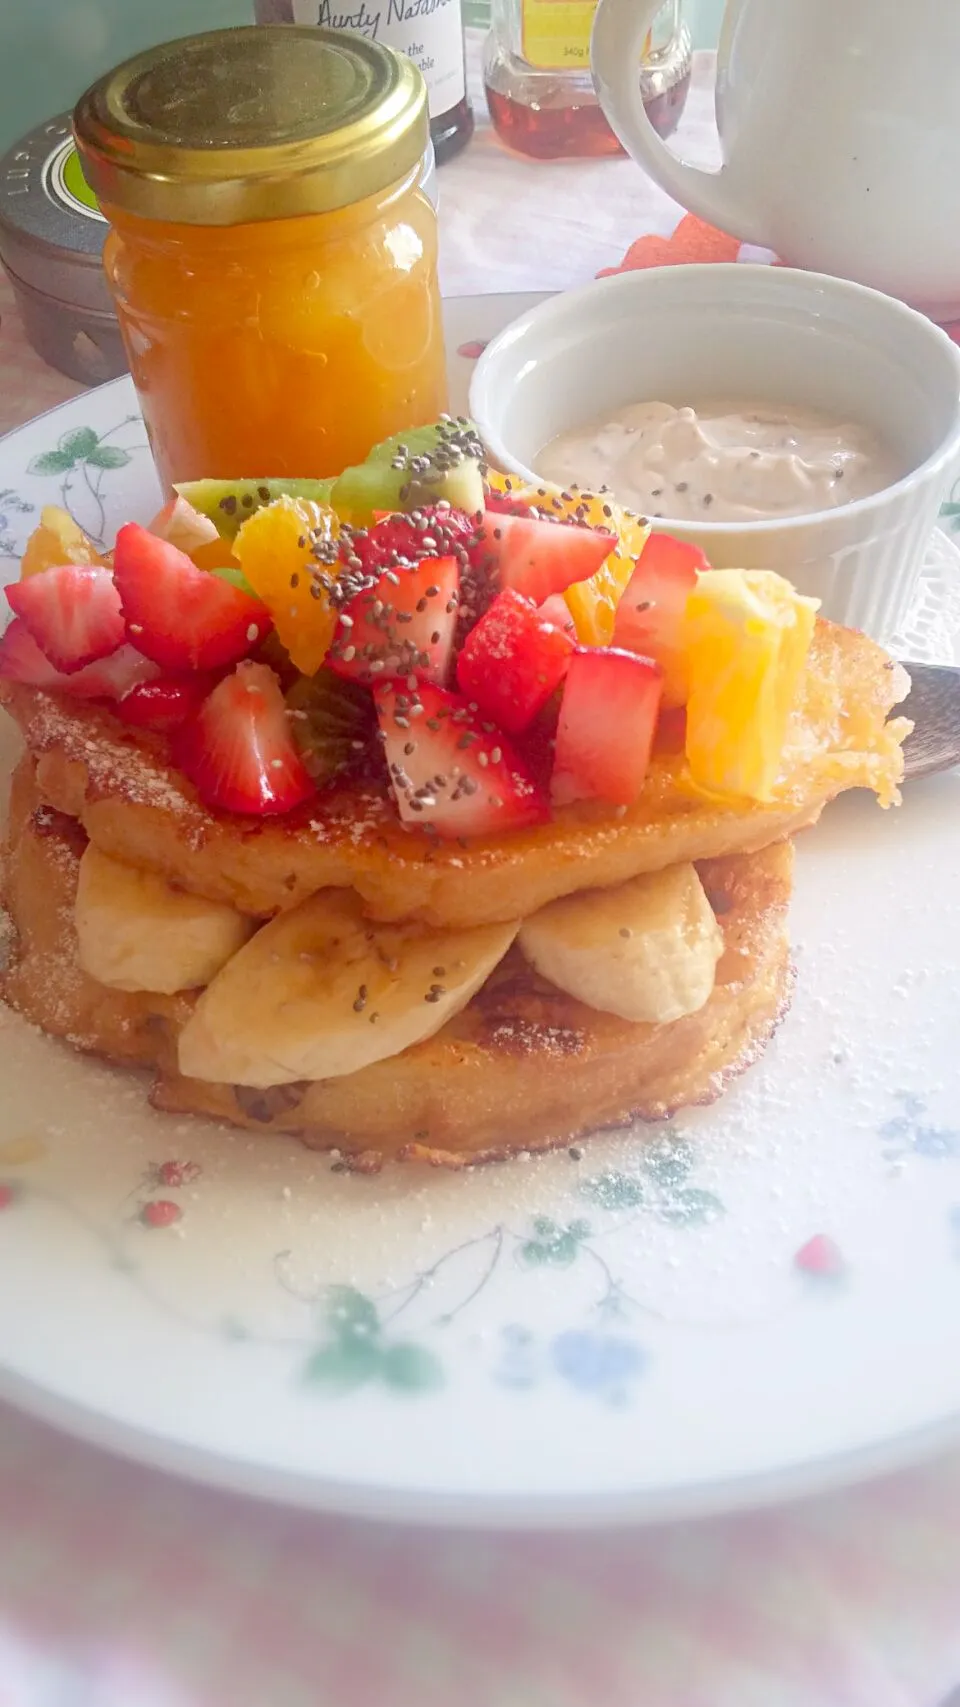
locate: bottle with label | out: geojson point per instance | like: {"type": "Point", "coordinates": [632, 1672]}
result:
{"type": "Point", "coordinates": [538, 84]}
{"type": "Point", "coordinates": [430, 32]}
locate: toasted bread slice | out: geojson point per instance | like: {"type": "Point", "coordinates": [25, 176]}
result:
{"type": "Point", "coordinates": [523, 1067]}
{"type": "Point", "coordinates": [134, 805]}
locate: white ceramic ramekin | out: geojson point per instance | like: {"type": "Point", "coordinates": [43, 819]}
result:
{"type": "Point", "coordinates": [679, 334]}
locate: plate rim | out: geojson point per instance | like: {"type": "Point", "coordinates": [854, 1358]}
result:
{"type": "Point", "coordinates": [503, 1513]}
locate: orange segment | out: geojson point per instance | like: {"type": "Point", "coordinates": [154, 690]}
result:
{"type": "Point", "coordinates": [57, 540]}
{"type": "Point", "coordinates": [593, 603]}
{"type": "Point", "coordinates": [273, 550]}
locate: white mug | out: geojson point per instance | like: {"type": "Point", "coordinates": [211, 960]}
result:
{"type": "Point", "coordinates": [840, 128]}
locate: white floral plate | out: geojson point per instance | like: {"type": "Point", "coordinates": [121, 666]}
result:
{"type": "Point", "coordinates": [754, 1300]}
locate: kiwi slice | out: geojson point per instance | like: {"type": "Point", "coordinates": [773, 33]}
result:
{"type": "Point", "coordinates": [413, 469]}
{"type": "Point", "coordinates": [228, 503]}
{"type": "Point", "coordinates": [332, 721]}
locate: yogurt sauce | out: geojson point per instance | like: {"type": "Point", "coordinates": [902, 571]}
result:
{"type": "Point", "coordinates": [721, 462]}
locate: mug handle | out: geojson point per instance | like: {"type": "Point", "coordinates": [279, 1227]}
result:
{"type": "Point", "coordinates": [620, 29]}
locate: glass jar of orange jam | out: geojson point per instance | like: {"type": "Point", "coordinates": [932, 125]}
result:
{"type": "Point", "coordinates": [273, 254]}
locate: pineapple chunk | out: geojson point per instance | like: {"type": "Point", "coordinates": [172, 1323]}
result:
{"type": "Point", "coordinates": [748, 633]}
{"type": "Point", "coordinates": [58, 539]}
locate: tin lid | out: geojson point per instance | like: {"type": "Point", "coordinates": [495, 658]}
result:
{"type": "Point", "coordinates": [255, 123]}
{"type": "Point", "coordinates": [51, 229]}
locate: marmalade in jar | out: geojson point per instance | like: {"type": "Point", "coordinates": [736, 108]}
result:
{"type": "Point", "coordinates": [272, 253]}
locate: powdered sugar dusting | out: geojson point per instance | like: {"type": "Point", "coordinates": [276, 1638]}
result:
{"type": "Point", "coordinates": [116, 763]}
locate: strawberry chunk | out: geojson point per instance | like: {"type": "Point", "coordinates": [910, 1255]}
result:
{"type": "Point", "coordinates": [650, 614]}
{"type": "Point", "coordinates": [537, 558]}
{"type": "Point", "coordinates": [163, 704]}
{"type": "Point", "coordinates": [402, 625]}
{"type": "Point", "coordinates": [512, 661]}
{"type": "Point", "coordinates": [238, 751]}
{"type": "Point", "coordinates": [556, 610]}
{"type": "Point", "coordinates": [21, 660]}
{"type": "Point", "coordinates": [451, 770]}
{"type": "Point", "coordinates": [73, 614]}
{"type": "Point", "coordinates": [183, 617]}
{"type": "Point", "coordinates": [608, 716]}
{"type": "Point", "coordinates": [440, 532]}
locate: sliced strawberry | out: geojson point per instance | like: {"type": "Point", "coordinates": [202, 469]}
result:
{"type": "Point", "coordinates": [163, 704]}
{"type": "Point", "coordinates": [608, 717]}
{"type": "Point", "coordinates": [538, 558]}
{"type": "Point", "coordinates": [21, 660]}
{"type": "Point", "coordinates": [112, 677]}
{"type": "Point", "coordinates": [73, 614]}
{"type": "Point", "coordinates": [403, 625]}
{"type": "Point", "coordinates": [451, 770]}
{"type": "Point", "coordinates": [182, 617]}
{"type": "Point", "coordinates": [437, 531]}
{"type": "Point", "coordinates": [238, 751]}
{"type": "Point", "coordinates": [512, 661]}
{"type": "Point", "coordinates": [556, 610]}
{"type": "Point", "coordinates": [650, 614]}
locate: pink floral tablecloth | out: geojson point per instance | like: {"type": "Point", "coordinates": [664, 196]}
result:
{"type": "Point", "coordinates": [120, 1588]}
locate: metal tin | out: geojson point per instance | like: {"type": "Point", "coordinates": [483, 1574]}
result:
{"type": "Point", "coordinates": [248, 124]}
{"type": "Point", "coordinates": [51, 241]}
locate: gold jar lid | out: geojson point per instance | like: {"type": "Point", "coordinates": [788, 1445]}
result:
{"type": "Point", "coordinates": [260, 122]}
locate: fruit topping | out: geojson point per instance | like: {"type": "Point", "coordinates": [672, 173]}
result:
{"type": "Point", "coordinates": [556, 610]}
{"type": "Point", "coordinates": [646, 950]}
{"type": "Point", "coordinates": [537, 558]}
{"type": "Point", "coordinates": [183, 617]}
{"type": "Point", "coordinates": [437, 531]}
{"type": "Point", "coordinates": [163, 704]}
{"type": "Point", "coordinates": [412, 469]}
{"type": "Point", "coordinates": [748, 633]}
{"type": "Point", "coordinates": [593, 602]}
{"type": "Point", "coordinates": [183, 526]}
{"type": "Point", "coordinates": [332, 722]}
{"type": "Point", "coordinates": [238, 751]}
{"type": "Point", "coordinates": [21, 660]}
{"type": "Point", "coordinates": [277, 550]}
{"type": "Point", "coordinates": [229, 503]}
{"type": "Point", "coordinates": [322, 991]}
{"type": "Point", "coordinates": [512, 661]}
{"type": "Point", "coordinates": [73, 614]}
{"type": "Point", "coordinates": [608, 717]}
{"type": "Point", "coordinates": [58, 539]}
{"type": "Point", "coordinates": [401, 624]}
{"type": "Point", "coordinates": [650, 615]}
{"type": "Point", "coordinates": [451, 768]}
{"type": "Point", "coordinates": [136, 931]}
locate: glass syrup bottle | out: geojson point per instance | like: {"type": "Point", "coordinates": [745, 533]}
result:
{"type": "Point", "coordinates": [430, 32]}
{"type": "Point", "coordinates": [538, 85]}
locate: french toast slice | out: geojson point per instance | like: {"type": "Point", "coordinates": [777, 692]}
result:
{"type": "Point", "coordinates": [133, 804]}
{"type": "Point", "coordinates": [524, 1066]}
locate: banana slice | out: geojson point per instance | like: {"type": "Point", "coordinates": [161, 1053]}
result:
{"type": "Point", "coordinates": [321, 992]}
{"type": "Point", "coordinates": [136, 932]}
{"type": "Point", "coordinates": [647, 950]}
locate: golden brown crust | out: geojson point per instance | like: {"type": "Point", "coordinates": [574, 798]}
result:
{"type": "Point", "coordinates": [135, 806]}
{"type": "Point", "coordinates": [524, 1066]}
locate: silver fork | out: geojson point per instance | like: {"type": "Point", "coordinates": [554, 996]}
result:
{"type": "Point", "coordinates": [933, 704]}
